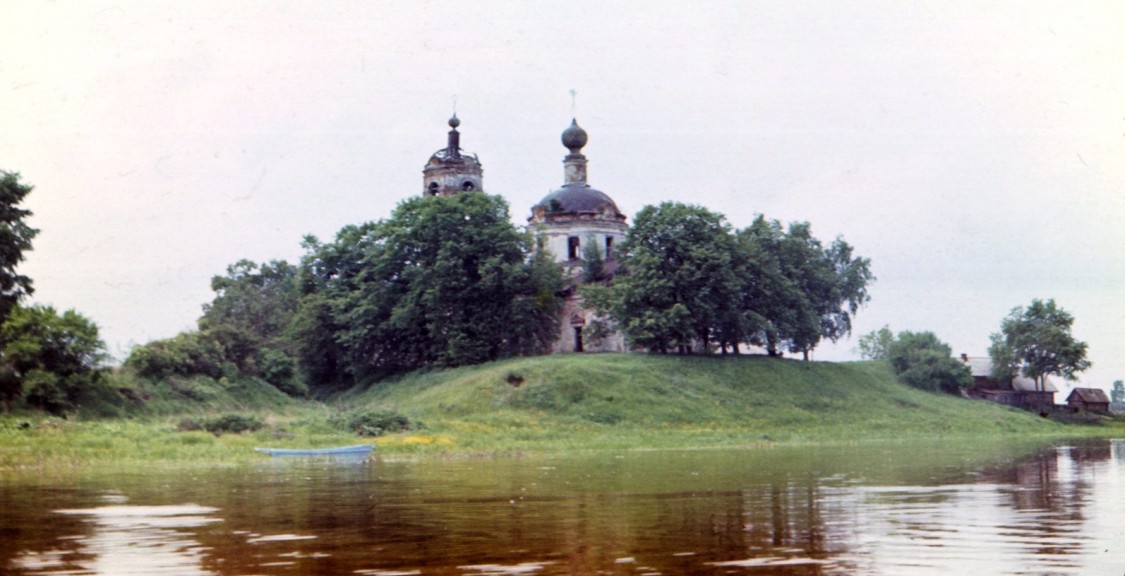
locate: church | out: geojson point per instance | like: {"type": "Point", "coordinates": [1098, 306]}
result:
{"type": "Point", "coordinates": [572, 221]}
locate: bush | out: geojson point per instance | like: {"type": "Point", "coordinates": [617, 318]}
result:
{"type": "Point", "coordinates": [46, 391]}
{"type": "Point", "coordinates": [233, 423]}
{"type": "Point", "coordinates": [280, 370]}
{"type": "Point", "coordinates": [374, 422]}
{"type": "Point", "coordinates": [922, 361]}
{"type": "Point", "coordinates": [186, 354]}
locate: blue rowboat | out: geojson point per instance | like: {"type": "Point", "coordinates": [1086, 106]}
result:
{"type": "Point", "coordinates": [357, 450]}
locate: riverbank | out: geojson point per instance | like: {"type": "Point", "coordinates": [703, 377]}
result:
{"type": "Point", "coordinates": [549, 405]}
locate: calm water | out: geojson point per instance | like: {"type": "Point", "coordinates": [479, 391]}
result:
{"type": "Point", "coordinates": [894, 509]}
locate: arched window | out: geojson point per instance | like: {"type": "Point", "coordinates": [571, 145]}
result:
{"type": "Point", "coordinates": [468, 185]}
{"type": "Point", "coordinates": [433, 188]}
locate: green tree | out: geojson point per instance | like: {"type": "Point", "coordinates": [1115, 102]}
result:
{"type": "Point", "coordinates": [1036, 341]}
{"type": "Point", "coordinates": [593, 262]}
{"type": "Point", "coordinates": [681, 286]}
{"type": "Point", "coordinates": [53, 355]}
{"type": "Point", "coordinates": [923, 361]}
{"type": "Point", "coordinates": [445, 281]}
{"type": "Point", "coordinates": [876, 345]}
{"type": "Point", "coordinates": [250, 319]}
{"type": "Point", "coordinates": [15, 240]}
{"type": "Point", "coordinates": [774, 307]}
{"type": "Point", "coordinates": [689, 281]}
{"type": "Point", "coordinates": [320, 357]}
{"type": "Point", "coordinates": [796, 291]}
{"type": "Point", "coordinates": [804, 263]}
{"type": "Point", "coordinates": [851, 274]}
{"type": "Point", "coordinates": [260, 300]}
{"type": "Point", "coordinates": [1117, 395]}
{"type": "Point", "coordinates": [326, 275]}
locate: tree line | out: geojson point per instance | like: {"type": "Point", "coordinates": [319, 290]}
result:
{"type": "Point", "coordinates": [448, 281]}
{"type": "Point", "coordinates": [444, 281]}
{"type": "Point", "coordinates": [692, 282]}
{"type": "Point", "coordinates": [1033, 342]}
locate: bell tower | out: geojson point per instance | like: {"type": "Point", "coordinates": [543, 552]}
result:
{"type": "Point", "coordinates": [450, 171]}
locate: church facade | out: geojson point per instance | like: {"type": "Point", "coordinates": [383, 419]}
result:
{"type": "Point", "coordinates": [571, 222]}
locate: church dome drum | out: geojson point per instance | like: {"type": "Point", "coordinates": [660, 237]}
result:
{"type": "Point", "coordinates": [451, 171]}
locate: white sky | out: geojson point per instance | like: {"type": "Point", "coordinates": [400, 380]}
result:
{"type": "Point", "coordinates": [975, 151]}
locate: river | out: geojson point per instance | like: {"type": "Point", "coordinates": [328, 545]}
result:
{"type": "Point", "coordinates": [875, 509]}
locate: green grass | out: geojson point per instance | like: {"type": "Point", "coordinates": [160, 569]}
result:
{"type": "Point", "coordinates": [546, 404]}
{"type": "Point", "coordinates": [638, 401]}
{"type": "Point", "coordinates": [57, 446]}
{"type": "Point", "coordinates": [200, 395]}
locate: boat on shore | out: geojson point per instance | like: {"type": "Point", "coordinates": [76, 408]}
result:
{"type": "Point", "coordinates": [356, 450]}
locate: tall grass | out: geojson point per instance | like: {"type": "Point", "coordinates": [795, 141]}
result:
{"type": "Point", "coordinates": [53, 442]}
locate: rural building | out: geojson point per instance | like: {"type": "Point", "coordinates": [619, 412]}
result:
{"type": "Point", "coordinates": [1022, 392]}
{"type": "Point", "coordinates": [1088, 400]}
{"type": "Point", "coordinates": [568, 221]}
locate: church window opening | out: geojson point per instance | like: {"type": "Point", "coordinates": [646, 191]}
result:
{"type": "Point", "coordinates": [433, 188]}
{"type": "Point", "coordinates": [468, 186]}
{"type": "Point", "coordinates": [572, 247]}
{"type": "Point", "coordinates": [609, 247]}
{"type": "Point", "coordinates": [578, 339]}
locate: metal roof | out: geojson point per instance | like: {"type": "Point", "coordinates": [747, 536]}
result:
{"type": "Point", "coordinates": [981, 367]}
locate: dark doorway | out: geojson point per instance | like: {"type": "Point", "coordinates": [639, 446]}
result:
{"type": "Point", "coordinates": [578, 339]}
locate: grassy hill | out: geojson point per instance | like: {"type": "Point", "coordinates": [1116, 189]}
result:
{"type": "Point", "coordinates": [549, 404]}
{"type": "Point", "coordinates": [635, 400]}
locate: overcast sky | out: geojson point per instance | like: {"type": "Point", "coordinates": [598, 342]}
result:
{"type": "Point", "coordinates": [974, 151]}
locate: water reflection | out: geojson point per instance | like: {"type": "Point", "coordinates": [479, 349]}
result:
{"type": "Point", "coordinates": [128, 540]}
{"type": "Point", "coordinates": [870, 510]}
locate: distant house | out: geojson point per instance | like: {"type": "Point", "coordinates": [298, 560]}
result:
{"type": "Point", "coordinates": [1088, 400]}
{"type": "Point", "coordinates": [1021, 392]}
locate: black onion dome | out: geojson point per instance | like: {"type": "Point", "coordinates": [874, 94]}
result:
{"type": "Point", "coordinates": [574, 137]}
{"type": "Point", "coordinates": [579, 198]}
